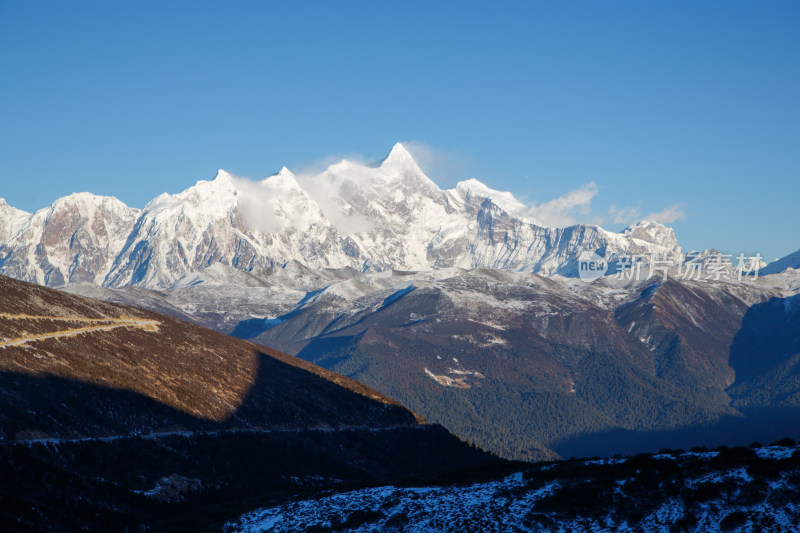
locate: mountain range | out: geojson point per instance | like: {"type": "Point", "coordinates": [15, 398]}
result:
{"type": "Point", "coordinates": [458, 303]}
{"type": "Point", "coordinates": [428, 325]}
{"type": "Point", "coordinates": [366, 217]}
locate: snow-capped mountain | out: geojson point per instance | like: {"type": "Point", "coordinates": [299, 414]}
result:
{"type": "Point", "coordinates": [367, 217]}
{"type": "Point", "coordinates": [249, 226]}
{"type": "Point", "coordinates": [74, 240]}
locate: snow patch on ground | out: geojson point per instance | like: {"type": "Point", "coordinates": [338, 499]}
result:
{"type": "Point", "coordinates": [448, 381]}
{"type": "Point", "coordinates": [775, 452]}
{"type": "Point", "coordinates": [506, 505]}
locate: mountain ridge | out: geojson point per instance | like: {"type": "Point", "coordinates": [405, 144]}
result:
{"type": "Point", "coordinates": [367, 217]}
{"type": "Point", "coordinates": [791, 260]}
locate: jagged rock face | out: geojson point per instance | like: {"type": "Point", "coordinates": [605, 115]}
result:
{"type": "Point", "coordinates": [369, 218]}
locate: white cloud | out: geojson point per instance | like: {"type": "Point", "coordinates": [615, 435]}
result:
{"type": "Point", "coordinates": [325, 191]}
{"type": "Point", "coordinates": [631, 214]}
{"type": "Point", "coordinates": [276, 203]}
{"type": "Point", "coordinates": [445, 167]}
{"type": "Point", "coordinates": [255, 207]}
{"type": "Point", "coordinates": [668, 215]}
{"type": "Point", "coordinates": [625, 215]}
{"type": "Point", "coordinates": [562, 211]}
{"type": "Point", "coordinates": [327, 195]}
{"type": "Point", "coordinates": [318, 166]}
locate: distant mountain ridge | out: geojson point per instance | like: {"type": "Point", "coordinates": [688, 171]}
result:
{"type": "Point", "coordinates": [779, 265]}
{"type": "Point", "coordinates": [366, 217]}
{"type": "Point", "coordinates": [527, 366]}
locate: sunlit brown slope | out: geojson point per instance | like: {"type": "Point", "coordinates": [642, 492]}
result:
{"type": "Point", "coordinates": [57, 344]}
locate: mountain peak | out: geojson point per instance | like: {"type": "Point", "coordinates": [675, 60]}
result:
{"type": "Point", "coordinates": [217, 192]}
{"type": "Point", "coordinates": [284, 179]}
{"type": "Point", "coordinates": [472, 186]}
{"type": "Point", "coordinates": [79, 197]}
{"type": "Point", "coordinates": [398, 155]}
{"type": "Point", "coordinates": [5, 205]}
{"type": "Point", "coordinates": [11, 220]}
{"type": "Point", "coordinates": [646, 223]}
{"type": "Point", "coordinates": [89, 202]}
{"type": "Point", "coordinates": [504, 200]}
{"type": "Point", "coordinates": [653, 232]}
{"type": "Point", "coordinates": [222, 176]}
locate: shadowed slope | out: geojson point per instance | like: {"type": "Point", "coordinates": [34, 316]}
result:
{"type": "Point", "coordinates": [182, 366]}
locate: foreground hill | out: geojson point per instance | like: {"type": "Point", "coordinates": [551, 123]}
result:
{"type": "Point", "coordinates": [728, 489]}
{"type": "Point", "coordinates": [199, 418]}
{"type": "Point", "coordinates": [177, 374]}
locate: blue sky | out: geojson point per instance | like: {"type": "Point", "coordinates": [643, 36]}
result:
{"type": "Point", "coordinates": [689, 106]}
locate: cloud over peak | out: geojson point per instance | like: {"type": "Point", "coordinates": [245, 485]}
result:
{"type": "Point", "coordinates": [568, 209]}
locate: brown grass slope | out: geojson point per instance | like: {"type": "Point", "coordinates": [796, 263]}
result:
{"type": "Point", "coordinates": [95, 362]}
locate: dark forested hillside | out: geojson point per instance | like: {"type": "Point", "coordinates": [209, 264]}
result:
{"type": "Point", "coordinates": [535, 368]}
